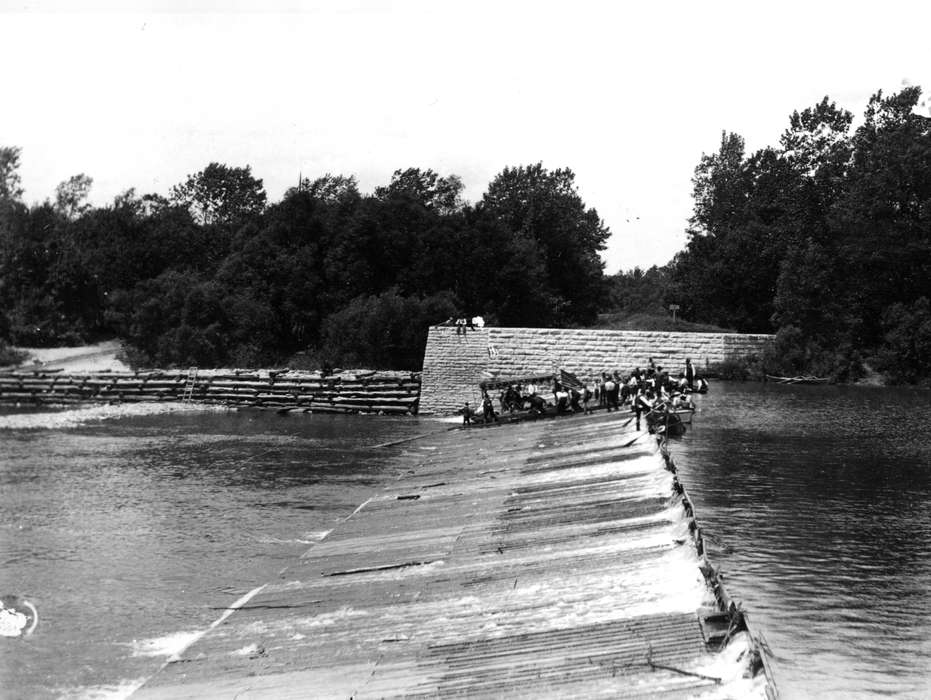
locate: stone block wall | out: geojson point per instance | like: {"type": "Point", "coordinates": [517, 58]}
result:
{"type": "Point", "coordinates": [455, 364]}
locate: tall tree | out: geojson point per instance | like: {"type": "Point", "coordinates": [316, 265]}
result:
{"type": "Point", "coordinates": [545, 207]}
{"type": "Point", "coordinates": [10, 189]}
{"type": "Point", "coordinates": [71, 196]}
{"type": "Point", "coordinates": [220, 194]}
{"type": "Point", "coordinates": [425, 187]}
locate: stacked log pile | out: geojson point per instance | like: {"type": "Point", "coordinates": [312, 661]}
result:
{"type": "Point", "coordinates": [346, 392]}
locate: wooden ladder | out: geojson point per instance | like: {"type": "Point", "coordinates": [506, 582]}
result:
{"type": "Point", "coordinates": [188, 392]}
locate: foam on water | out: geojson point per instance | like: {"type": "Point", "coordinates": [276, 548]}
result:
{"type": "Point", "coordinates": [73, 418]}
{"type": "Point", "coordinates": [111, 691]}
{"type": "Point", "coordinates": [168, 645]}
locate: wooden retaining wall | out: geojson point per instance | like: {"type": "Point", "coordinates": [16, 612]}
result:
{"type": "Point", "coordinates": [369, 392]}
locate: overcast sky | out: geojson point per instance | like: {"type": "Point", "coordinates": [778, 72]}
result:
{"type": "Point", "coordinates": [140, 94]}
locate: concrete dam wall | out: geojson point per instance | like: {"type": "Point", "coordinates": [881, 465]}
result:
{"type": "Point", "coordinates": [454, 364]}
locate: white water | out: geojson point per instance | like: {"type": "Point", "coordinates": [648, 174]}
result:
{"type": "Point", "coordinates": [76, 417]}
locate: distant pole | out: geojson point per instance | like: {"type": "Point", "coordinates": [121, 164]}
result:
{"type": "Point", "coordinates": [300, 180]}
{"type": "Point", "coordinates": [673, 308]}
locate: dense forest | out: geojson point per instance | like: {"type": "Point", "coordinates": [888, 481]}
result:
{"type": "Point", "coordinates": [824, 239]}
{"type": "Point", "coordinates": [213, 275]}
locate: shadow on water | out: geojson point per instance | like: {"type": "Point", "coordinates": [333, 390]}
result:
{"type": "Point", "coordinates": [817, 498]}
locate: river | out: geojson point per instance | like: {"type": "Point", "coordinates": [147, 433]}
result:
{"type": "Point", "coordinates": [817, 500]}
{"type": "Point", "coordinates": [132, 532]}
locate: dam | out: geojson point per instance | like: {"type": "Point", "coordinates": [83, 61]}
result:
{"type": "Point", "coordinates": [456, 362]}
{"type": "Point", "coordinates": [553, 558]}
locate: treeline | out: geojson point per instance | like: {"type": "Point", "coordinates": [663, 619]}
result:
{"type": "Point", "coordinates": [824, 239]}
{"type": "Point", "coordinates": [214, 275]}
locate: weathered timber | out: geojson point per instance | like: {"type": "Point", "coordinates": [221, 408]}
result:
{"type": "Point", "coordinates": [502, 564]}
{"type": "Point", "coordinates": [385, 392]}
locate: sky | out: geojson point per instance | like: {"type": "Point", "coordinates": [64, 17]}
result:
{"type": "Point", "coordinates": [627, 95]}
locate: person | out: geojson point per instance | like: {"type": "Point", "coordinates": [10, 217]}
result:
{"type": "Point", "coordinates": [641, 404]}
{"type": "Point", "coordinates": [587, 395]}
{"type": "Point", "coordinates": [537, 405]}
{"type": "Point", "coordinates": [611, 393]}
{"type": "Point", "coordinates": [562, 399]}
{"type": "Point", "coordinates": [512, 398]}
{"type": "Point", "coordinates": [467, 414]}
{"type": "Point", "coordinates": [488, 410]}
{"type": "Point", "coordinates": [633, 385]}
{"type": "Point", "coordinates": [683, 384]}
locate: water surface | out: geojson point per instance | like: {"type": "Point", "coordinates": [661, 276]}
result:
{"type": "Point", "coordinates": [131, 535]}
{"type": "Point", "coordinates": [132, 532]}
{"type": "Point", "coordinates": [818, 502]}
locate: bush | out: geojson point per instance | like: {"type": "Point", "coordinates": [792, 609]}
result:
{"type": "Point", "coordinates": [10, 357]}
{"type": "Point", "coordinates": [792, 354]}
{"type": "Point", "coordinates": [905, 352]}
{"type": "Point", "coordinates": [387, 331]}
{"type": "Point", "coordinates": [623, 321]}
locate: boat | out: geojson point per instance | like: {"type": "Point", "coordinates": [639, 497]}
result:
{"type": "Point", "coordinates": [802, 379]}
{"type": "Point", "coordinates": [684, 414]}
{"type": "Point", "coordinates": [666, 423]}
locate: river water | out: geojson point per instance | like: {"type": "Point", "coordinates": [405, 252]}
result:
{"type": "Point", "coordinates": [818, 500]}
{"type": "Point", "coordinates": [132, 532]}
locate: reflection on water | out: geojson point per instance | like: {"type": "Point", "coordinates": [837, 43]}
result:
{"type": "Point", "coordinates": [816, 500]}
{"type": "Point", "coordinates": [129, 535]}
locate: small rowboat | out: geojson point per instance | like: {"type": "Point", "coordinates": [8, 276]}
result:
{"type": "Point", "coordinates": [684, 414]}
{"type": "Point", "coordinates": [668, 424]}
{"type": "Point", "coordinates": [804, 379]}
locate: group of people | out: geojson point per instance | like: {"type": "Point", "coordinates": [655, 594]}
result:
{"type": "Point", "coordinates": [648, 392]}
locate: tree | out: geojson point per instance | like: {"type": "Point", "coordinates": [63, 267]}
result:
{"type": "Point", "coordinates": [71, 196]}
{"type": "Point", "coordinates": [10, 189]}
{"type": "Point", "coordinates": [817, 139]}
{"type": "Point", "coordinates": [385, 331]}
{"type": "Point", "coordinates": [219, 194]}
{"type": "Point", "coordinates": [883, 217]}
{"type": "Point", "coordinates": [545, 207]}
{"type": "Point", "coordinates": [330, 189]}
{"type": "Point", "coordinates": [719, 188]}
{"type": "Point", "coordinates": [425, 187]}
{"type": "Point", "coordinates": [905, 353]}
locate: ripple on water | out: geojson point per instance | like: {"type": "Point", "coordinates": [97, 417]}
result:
{"type": "Point", "coordinates": [820, 494]}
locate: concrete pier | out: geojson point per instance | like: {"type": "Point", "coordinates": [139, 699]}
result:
{"type": "Point", "coordinates": [553, 558]}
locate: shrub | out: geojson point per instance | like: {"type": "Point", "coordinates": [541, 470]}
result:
{"type": "Point", "coordinates": [905, 352]}
{"type": "Point", "coordinates": [10, 357]}
{"type": "Point", "coordinates": [388, 331]}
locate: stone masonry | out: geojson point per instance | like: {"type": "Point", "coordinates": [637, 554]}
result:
{"type": "Point", "coordinates": [454, 364]}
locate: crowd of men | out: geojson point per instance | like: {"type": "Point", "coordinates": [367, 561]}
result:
{"type": "Point", "coordinates": [648, 392]}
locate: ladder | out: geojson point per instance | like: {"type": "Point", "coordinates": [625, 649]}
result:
{"type": "Point", "coordinates": [188, 392]}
